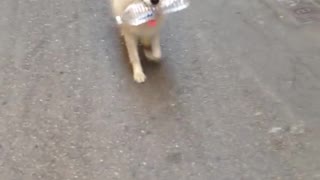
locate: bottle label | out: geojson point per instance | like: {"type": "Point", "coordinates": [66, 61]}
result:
{"type": "Point", "coordinates": [150, 15]}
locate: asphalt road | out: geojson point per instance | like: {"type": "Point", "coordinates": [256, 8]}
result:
{"type": "Point", "coordinates": [237, 96]}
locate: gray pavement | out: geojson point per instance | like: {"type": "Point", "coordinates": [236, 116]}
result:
{"type": "Point", "coordinates": [237, 96]}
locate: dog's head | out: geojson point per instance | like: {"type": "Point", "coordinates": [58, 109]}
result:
{"type": "Point", "coordinates": [152, 2]}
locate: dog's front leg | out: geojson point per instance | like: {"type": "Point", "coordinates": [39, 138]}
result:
{"type": "Point", "coordinates": [132, 47]}
{"type": "Point", "coordinates": [154, 53]}
{"type": "Point", "coordinates": [156, 47]}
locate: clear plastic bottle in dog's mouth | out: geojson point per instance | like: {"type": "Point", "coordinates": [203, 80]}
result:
{"type": "Point", "coordinates": [139, 13]}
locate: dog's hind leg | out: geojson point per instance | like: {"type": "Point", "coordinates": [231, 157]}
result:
{"type": "Point", "coordinates": [132, 47]}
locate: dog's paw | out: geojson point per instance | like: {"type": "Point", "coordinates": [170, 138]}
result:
{"type": "Point", "coordinates": [155, 57]}
{"type": "Point", "coordinates": [139, 77]}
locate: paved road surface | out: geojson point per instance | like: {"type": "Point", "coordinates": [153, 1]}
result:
{"type": "Point", "coordinates": [236, 97]}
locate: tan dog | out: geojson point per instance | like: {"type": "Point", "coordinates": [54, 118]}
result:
{"type": "Point", "coordinates": [146, 34]}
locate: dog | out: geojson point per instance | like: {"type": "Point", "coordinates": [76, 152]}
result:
{"type": "Point", "coordinates": [147, 34]}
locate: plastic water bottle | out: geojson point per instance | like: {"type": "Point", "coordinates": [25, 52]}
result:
{"type": "Point", "coordinates": [136, 14]}
{"type": "Point", "coordinates": [139, 13]}
{"type": "Point", "coordinates": [171, 6]}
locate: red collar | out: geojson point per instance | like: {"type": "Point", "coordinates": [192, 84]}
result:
{"type": "Point", "coordinates": [152, 23]}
